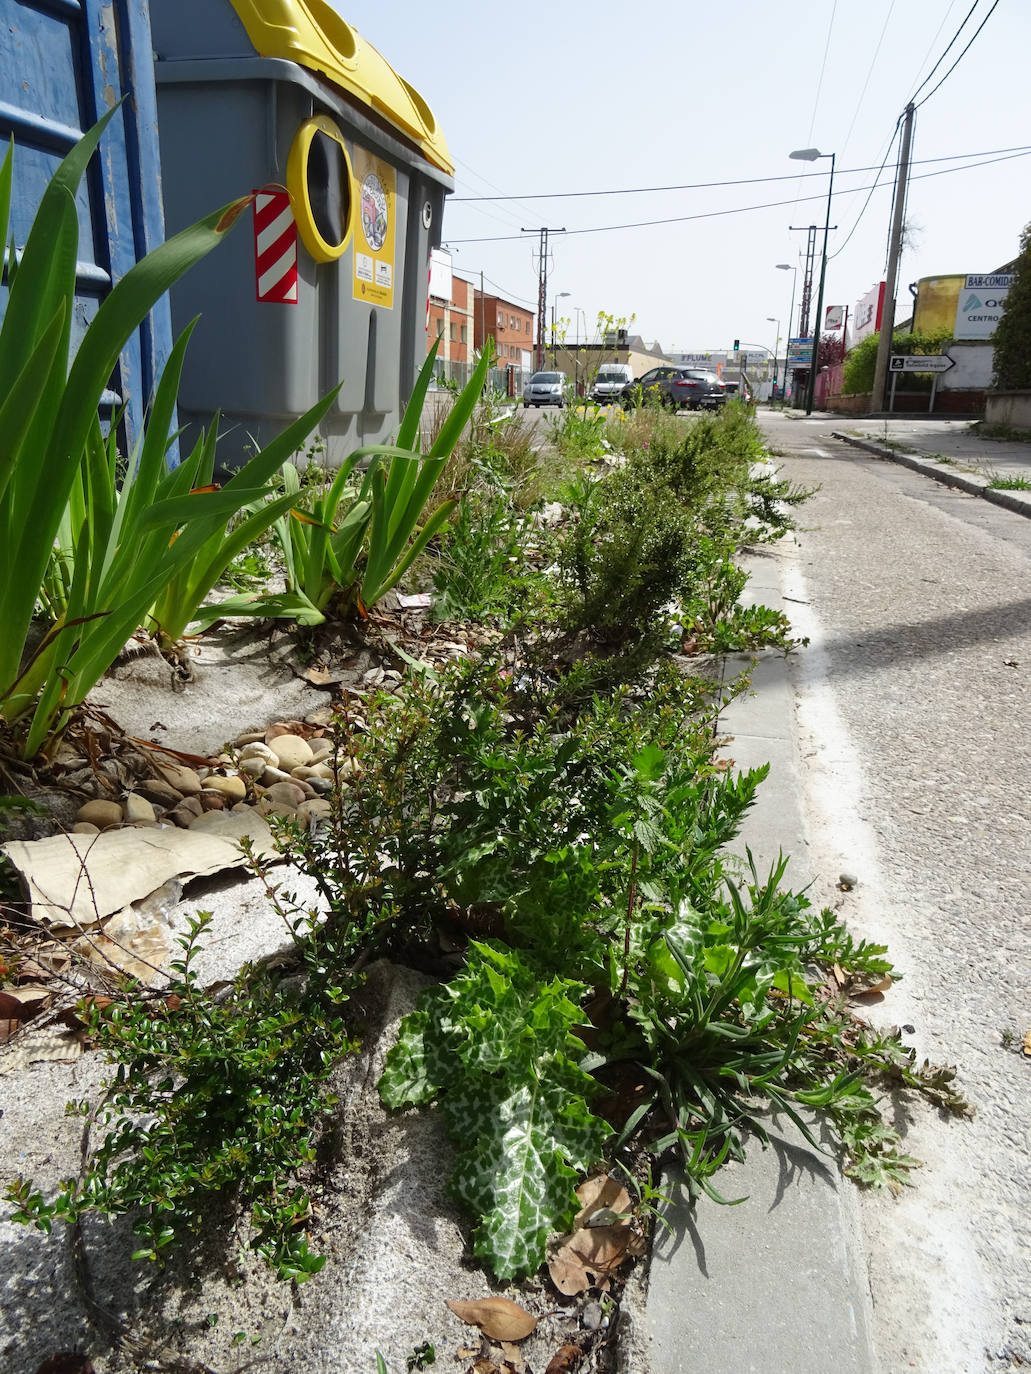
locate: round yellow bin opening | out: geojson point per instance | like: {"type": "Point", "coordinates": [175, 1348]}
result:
{"type": "Point", "coordinates": [320, 182]}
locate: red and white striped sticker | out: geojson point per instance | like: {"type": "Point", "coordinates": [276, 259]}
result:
{"type": "Point", "coordinates": [275, 248]}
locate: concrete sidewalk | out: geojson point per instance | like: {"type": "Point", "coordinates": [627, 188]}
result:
{"type": "Point", "coordinates": [778, 1282]}
{"type": "Point", "coordinates": [953, 452]}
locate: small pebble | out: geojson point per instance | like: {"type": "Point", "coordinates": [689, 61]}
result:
{"type": "Point", "coordinates": [250, 737]}
{"type": "Point", "coordinates": [105, 815]}
{"type": "Point", "coordinates": [137, 810]}
{"type": "Point", "coordinates": [184, 779]}
{"type": "Point", "coordinates": [229, 786]}
{"type": "Point", "coordinates": [253, 767]}
{"type": "Point", "coordinates": [847, 880]}
{"type": "Point", "coordinates": [592, 1316]}
{"type": "Point", "coordinates": [259, 750]}
{"type": "Point", "coordinates": [322, 716]}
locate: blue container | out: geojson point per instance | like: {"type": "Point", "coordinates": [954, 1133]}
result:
{"type": "Point", "coordinates": [64, 63]}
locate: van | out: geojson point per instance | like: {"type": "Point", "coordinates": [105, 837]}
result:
{"type": "Point", "coordinates": [610, 382]}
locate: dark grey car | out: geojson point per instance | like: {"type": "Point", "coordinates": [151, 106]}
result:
{"type": "Point", "coordinates": [698, 389]}
{"type": "Point", "coordinates": [654, 385]}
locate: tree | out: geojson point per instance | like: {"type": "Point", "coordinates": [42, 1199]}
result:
{"type": "Point", "coordinates": [1012, 336]}
{"type": "Point", "coordinates": [832, 350]}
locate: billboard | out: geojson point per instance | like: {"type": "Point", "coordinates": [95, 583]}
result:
{"type": "Point", "coordinates": [440, 274]}
{"type": "Point", "coordinates": [967, 306]}
{"type": "Point", "coordinates": [868, 314]}
{"type": "Point", "coordinates": [980, 305]}
{"type": "Point", "coordinates": [834, 317]}
{"type": "Point", "coordinates": [800, 352]}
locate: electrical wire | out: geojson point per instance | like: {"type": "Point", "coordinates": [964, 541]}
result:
{"type": "Point", "coordinates": [713, 185]}
{"type": "Point", "coordinates": [960, 58]}
{"type": "Point", "coordinates": [934, 41]}
{"type": "Point", "coordinates": [743, 209]}
{"type": "Point", "coordinates": [945, 54]}
{"type": "Point", "coordinates": [509, 296]}
{"type": "Point", "coordinates": [876, 183]}
{"type": "Point", "coordinates": [891, 210]}
{"type": "Point", "coordinates": [823, 68]}
{"type": "Point", "coordinates": [869, 73]}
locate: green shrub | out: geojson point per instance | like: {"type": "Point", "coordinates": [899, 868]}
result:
{"type": "Point", "coordinates": [1012, 337]}
{"type": "Point", "coordinates": [860, 363]}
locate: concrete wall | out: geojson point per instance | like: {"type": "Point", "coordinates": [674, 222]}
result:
{"type": "Point", "coordinates": [1009, 408]}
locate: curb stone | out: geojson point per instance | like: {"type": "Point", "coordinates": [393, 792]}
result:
{"type": "Point", "coordinates": [779, 1281]}
{"type": "Point", "coordinates": [1014, 501]}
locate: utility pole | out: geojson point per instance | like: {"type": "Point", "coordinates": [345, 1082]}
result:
{"type": "Point", "coordinates": [880, 374]}
{"type": "Point", "coordinates": [807, 275]}
{"type": "Point", "coordinates": [542, 288]}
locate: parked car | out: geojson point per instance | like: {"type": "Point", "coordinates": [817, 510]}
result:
{"type": "Point", "coordinates": [611, 381]}
{"type": "Point", "coordinates": [697, 389]}
{"type": "Point", "coordinates": [545, 389]}
{"type": "Point", "coordinates": [654, 385]}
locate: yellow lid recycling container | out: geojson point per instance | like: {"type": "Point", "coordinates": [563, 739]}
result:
{"type": "Point", "coordinates": [286, 99]}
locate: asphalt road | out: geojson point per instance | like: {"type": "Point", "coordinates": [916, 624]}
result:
{"type": "Point", "coordinates": [913, 718]}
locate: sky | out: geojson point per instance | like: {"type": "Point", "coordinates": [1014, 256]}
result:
{"type": "Point", "coordinates": [548, 100]}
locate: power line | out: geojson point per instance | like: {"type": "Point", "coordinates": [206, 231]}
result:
{"type": "Point", "coordinates": [823, 68]}
{"type": "Point", "coordinates": [869, 73]}
{"type": "Point", "coordinates": [745, 209]}
{"type": "Point", "coordinates": [934, 41]}
{"type": "Point", "coordinates": [712, 185]}
{"type": "Point", "coordinates": [945, 54]}
{"type": "Point", "coordinates": [960, 58]}
{"type": "Point", "coordinates": [876, 183]}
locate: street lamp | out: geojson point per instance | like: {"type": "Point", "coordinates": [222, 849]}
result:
{"type": "Point", "coordinates": [811, 155]}
{"type": "Point", "coordinates": [787, 267]}
{"type": "Point", "coordinates": [776, 344]}
{"type": "Point", "coordinates": [553, 304]}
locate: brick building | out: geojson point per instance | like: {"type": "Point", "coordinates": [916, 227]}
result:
{"type": "Point", "coordinates": [511, 328]}
{"type": "Point", "coordinates": [451, 317]}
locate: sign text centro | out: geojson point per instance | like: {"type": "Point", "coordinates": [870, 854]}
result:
{"type": "Point", "coordinates": [980, 305]}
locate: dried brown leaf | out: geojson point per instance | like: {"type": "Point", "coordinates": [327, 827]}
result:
{"type": "Point", "coordinates": [566, 1357]}
{"type": "Point", "coordinates": [876, 989]}
{"type": "Point", "coordinates": [567, 1272]}
{"type": "Point", "coordinates": [47, 960]}
{"type": "Point", "coordinates": [20, 1003]}
{"type": "Point", "coordinates": [499, 1318]}
{"type": "Point", "coordinates": [7, 1030]}
{"type": "Point", "coordinates": [513, 1357]}
{"type": "Point", "coordinates": [1025, 1047]}
{"type": "Point", "coordinates": [597, 1194]}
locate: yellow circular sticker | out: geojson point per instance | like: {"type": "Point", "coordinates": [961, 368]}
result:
{"type": "Point", "coordinates": [319, 179]}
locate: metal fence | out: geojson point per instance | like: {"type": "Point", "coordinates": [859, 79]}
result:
{"type": "Point", "coordinates": [508, 381]}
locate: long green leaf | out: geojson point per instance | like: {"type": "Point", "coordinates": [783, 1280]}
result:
{"type": "Point", "coordinates": [411, 426]}
{"type": "Point", "coordinates": [18, 407]}
{"type": "Point", "coordinates": [6, 173]}
{"type": "Point", "coordinates": [461, 413]}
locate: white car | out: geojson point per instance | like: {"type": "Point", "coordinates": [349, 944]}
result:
{"type": "Point", "coordinates": [545, 389]}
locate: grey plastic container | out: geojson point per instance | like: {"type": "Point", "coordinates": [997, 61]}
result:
{"type": "Point", "coordinates": [227, 118]}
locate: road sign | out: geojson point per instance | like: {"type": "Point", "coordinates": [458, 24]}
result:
{"type": "Point", "coordinates": [921, 362]}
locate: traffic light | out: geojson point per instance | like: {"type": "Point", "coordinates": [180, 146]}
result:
{"type": "Point", "coordinates": [737, 345]}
